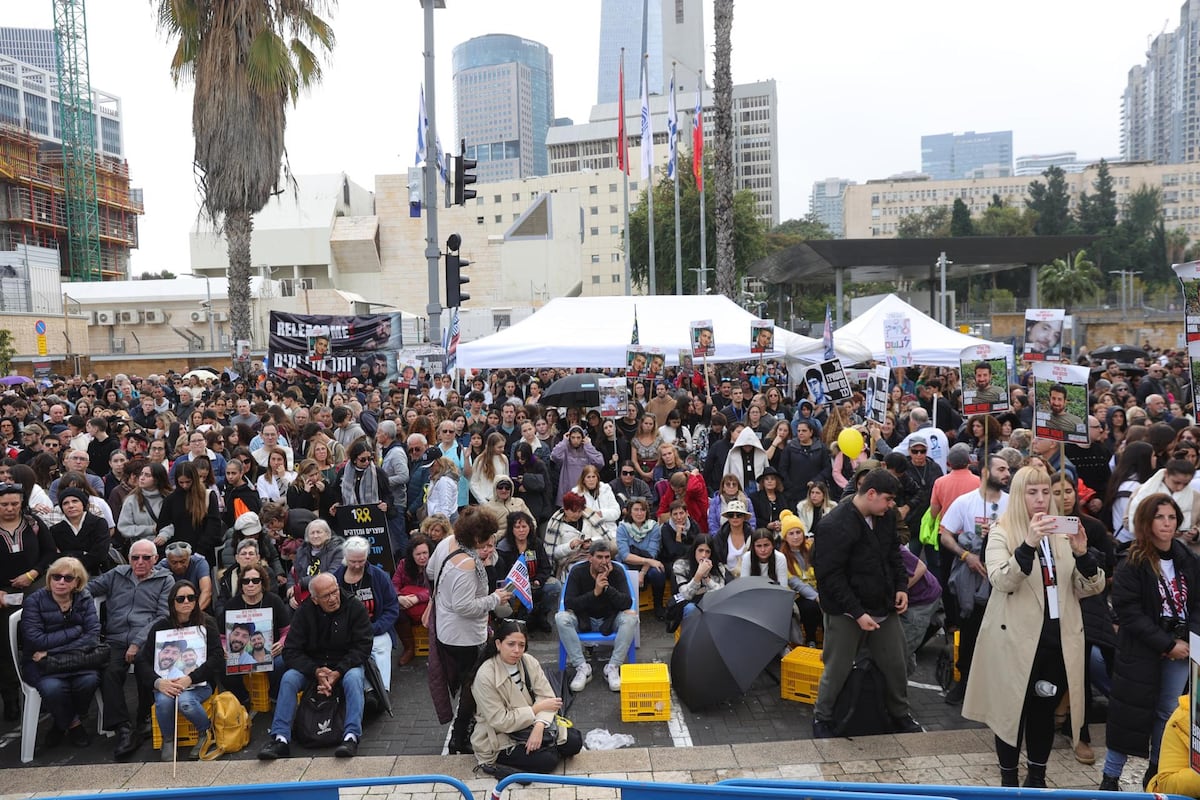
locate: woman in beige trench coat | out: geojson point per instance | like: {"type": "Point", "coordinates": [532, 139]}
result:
{"type": "Point", "coordinates": [1029, 651]}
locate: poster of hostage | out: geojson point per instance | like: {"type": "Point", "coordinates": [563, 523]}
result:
{"type": "Point", "coordinates": [249, 639]}
{"type": "Point", "coordinates": [327, 346]}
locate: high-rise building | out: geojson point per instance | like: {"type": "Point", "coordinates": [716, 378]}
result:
{"type": "Point", "coordinates": [1067, 161]}
{"type": "Point", "coordinates": [946, 156]}
{"type": "Point", "coordinates": [33, 46]}
{"type": "Point", "coordinates": [674, 38]}
{"type": "Point", "coordinates": [1160, 117]}
{"type": "Point", "coordinates": [825, 203]}
{"type": "Point", "coordinates": [32, 197]}
{"type": "Point", "coordinates": [504, 104]}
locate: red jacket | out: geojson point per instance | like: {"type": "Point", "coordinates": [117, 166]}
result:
{"type": "Point", "coordinates": [695, 496]}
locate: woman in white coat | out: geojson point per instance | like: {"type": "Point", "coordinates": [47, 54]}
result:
{"type": "Point", "coordinates": [598, 495]}
{"type": "Point", "coordinates": [1031, 647]}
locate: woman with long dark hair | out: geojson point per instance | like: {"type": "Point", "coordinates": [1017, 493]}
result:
{"type": "Point", "coordinates": [191, 513]}
{"type": "Point", "coordinates": [412, 589]}
{"type": "Point", "coordinates": [162, 665]}
{"type": "Point", "coordinates": [521, 542]}
{"type": "Point", "coordinates": [763, 559]}
{"type": "Point", "coordinates": [698, 573]}
{"type": "Point", "coordinates": [1134, 467]}
{"type": "Point", "coordinates": [142, 509]}
{"type": "Point", "coordinates": [515, 727]}
{"type": "Point", "coordinates": [1156, 597]}
{"type": "Point", "coordinates": [532, 480]}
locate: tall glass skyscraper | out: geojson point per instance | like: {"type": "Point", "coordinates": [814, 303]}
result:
{"type": "Point", "coordinates": [504, 104]}
{"type": "Point", "coordinates": [621, 26]}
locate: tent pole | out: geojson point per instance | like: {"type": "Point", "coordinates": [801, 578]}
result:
{"type": "Point", "coordinates": [838, 290]}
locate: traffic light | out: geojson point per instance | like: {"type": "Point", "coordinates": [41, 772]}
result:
{"type": "Point", "coordinates": [454, 278]}
{"type": "Point", "coordinates": [462, 178]}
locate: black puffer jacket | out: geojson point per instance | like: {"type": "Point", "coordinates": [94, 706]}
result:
{"type": "Point", "coordinates": [341, 640]}
{"type": "Point", "coordinates": [1141, 646]}
{"type": "Point", "coordinates": [858, 567]}
{"type": "Point", "coordinates": [803, 463]}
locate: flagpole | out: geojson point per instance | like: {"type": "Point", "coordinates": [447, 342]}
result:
{"type": "Point", "coordinates": [623, 162]}
{"type": "Point", "coordinates": [702, 287]}
{"type": "Point", "coordinates": [674, 134]}
{"type": "Point", "coordinates": [648, 163]}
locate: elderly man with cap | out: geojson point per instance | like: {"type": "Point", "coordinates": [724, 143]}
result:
{"type": "Point", "coordinates": [936, 443]}
{"type": "Point", "coordinates": [136, 596]}
{"type": "Point", "coordinates": [184, 564]}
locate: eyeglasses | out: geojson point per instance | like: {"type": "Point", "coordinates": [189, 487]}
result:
{"type": "Point", "coordinates": [251, 581]}
{"type": "Point", "coordinates": [63, 578]}
{"type": "Point", "coordinates": [141, 558]}
{"type": "Point", "coordinates": [627, 472]}
{"type": "Point", "coordinates": [920, 452]}
{"type": "Point", "coordinates": [185, 598]}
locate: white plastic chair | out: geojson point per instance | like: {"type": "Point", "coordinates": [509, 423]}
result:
{"type": "Point", "coordinates": [32, 707]}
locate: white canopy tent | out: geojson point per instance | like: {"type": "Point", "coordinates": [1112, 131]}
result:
{"type": "Point", "coordinates": [594, 332]}
{"type": "Point", "coordinates": [933, 344]}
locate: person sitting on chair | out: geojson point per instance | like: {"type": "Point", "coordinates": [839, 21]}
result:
{"type": "Point", "coordinates": [597, 597]}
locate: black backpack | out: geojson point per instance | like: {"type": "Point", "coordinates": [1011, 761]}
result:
{"type": "Point", "coordinates": [320, 718]}
{"type": "Point", "coordinates": [860, 709]}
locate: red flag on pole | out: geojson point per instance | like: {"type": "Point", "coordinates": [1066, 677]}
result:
{"type": "Point", "coordinates": [622, 154]}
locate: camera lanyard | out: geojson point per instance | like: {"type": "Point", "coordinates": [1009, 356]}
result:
{"type": "Point", "coordinates": [1049, 578]}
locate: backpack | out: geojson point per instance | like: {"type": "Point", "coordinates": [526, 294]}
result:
{"type": "Point", "coordinates": [860, 709]}
{"type": "Point", "coordinates": [229, 730]}
{"type": "Point", "coordinates": [320, 718]}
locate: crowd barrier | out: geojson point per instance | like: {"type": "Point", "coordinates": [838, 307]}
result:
{"type": "Point", "coordinates": [926, 791]}
{"type": "Point", "coordinates": [639, 790]}
{"type": "Point", "coordinates": [300, 790]}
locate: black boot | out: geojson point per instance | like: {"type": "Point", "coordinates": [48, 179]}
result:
{"type": "Point", "coordinates": [1035, 778]}
{"type": "Point", "coordinates": [1110, 783]}
{"type": "Point", "coordinates": [1008, 776]}
{"type": "Point", "coordinates": [1151, 771]}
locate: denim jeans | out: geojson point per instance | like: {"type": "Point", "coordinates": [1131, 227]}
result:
{"type": "Point", "coordinates": [191, 705]}
{"type": "Point", "coordinates": [1172, 681]}
{"type": "Point", "coordinates": [295, 681]}
{"type": "Point", "coordinates": [568, 633]}
{"type": "Point", "coordinates": [68, 697]}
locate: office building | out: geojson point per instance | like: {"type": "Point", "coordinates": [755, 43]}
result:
{"type": "Point", "coordinates": [32, 196]}
{"type": "Point", "coordinates": [825, 203]}
{"type": "Point", "coordinates": [873, 209]}
{"type": "Point", "coordinates": [504, 104]}
{"type": "Point", "coordinates": [946, 156]}
{"type": "Point", "coordinates": [593, 145]}
{"type": "Point", "coordinates": [1160, 120]}
{"type": "Point", "coordinates": [674, 37]}
{"type": "Point", "coordinates": [32, 46]}
{"type": "Point", "coordinates": [1067, 161]}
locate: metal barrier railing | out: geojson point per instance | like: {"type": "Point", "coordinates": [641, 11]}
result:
{"type": "Point", "coordinates": [927, 791]}
{"type": "Point", "coordinates": [639, 790]}
{"type": "Point", "coordinates": [306, 790]}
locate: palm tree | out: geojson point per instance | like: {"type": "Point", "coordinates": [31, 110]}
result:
{"type": "Point", "coordinates": [1064, 284]}
{"type": "Point", "coordinates": [723, 148]}
{"type": "Point", "coordinates": [247, 59]}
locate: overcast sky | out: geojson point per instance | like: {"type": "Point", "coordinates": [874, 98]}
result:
{"type": "Point", "coordinates": [858, 84]}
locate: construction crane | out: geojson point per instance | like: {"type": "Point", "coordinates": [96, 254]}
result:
{"type": "Point", "coordinates": [78, 123]}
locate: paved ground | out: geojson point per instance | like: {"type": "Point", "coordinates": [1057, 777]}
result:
{"type": "Point", "coordinates": [756, 735]}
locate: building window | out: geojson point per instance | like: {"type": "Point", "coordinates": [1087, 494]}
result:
{"type": "Point", "coordinates": [612, 187]}
{"type": "Point", "coordinates": [499, 218]}
{"type": "Point", "coordinates": [516, 197]}
{"type": "Point", "coordinates": [593, 189]}
{"type": "Point", "coordinates": [496, 198]}
{"type": "Point", "coordinates": [616, 278]}
{"type": "Point", "coordinates": [612, 209]}
{"type": "Point", "coordinates": [614, 229]}
{"type": "Point", "coordinates": [596, 280]}
{"type": "Point", "coordinates": [615, 258]}
{"type": "Point", "coordinates": [595, 231]}
{"type": "Point", "coordinates": [479, 220]}
{"type": "Point", "coordinates": [594, 211]}
{"type": "Point", "coordinates": [596, 258]}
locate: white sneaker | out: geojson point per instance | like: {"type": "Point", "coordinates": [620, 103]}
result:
{"type": "Point", "coordinates": [583, 674]}
{"type": "Point", "coordinates": [612, 673]}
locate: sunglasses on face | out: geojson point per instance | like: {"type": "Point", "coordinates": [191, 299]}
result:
{"type": "Point", "coordinates": [251, 581]}
{"type": "Point", "coordinates": [62, 577]}
{"type": "Point", "coordinates": [141, 558]}
{"type": "Point", "coordinates": [185, 598]}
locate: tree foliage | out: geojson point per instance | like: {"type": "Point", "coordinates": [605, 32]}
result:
{"type": "Point", "coordinates": [960, 219]}
{"type": "Point", "coordinates": [929, 223]}
{"type": "Point", "coordinates": [164, 275]}
{"type": "Point", "coordinates": [1098, 212]}
{"type": "Point", "coordinates": [1002, 220]}
{"type": "Point", "coordinates": [247, 61]}
{"type": "Point", "coordinates": [1062, 283]}
{"type": "Point", "coordinates": [723, 149]}
{"type": "Point", "coordinates": [8, 351]}
{"type": "Point", "coordinates": [1051, 202]}
{"type": "Point", "coordinates": [749, 234]}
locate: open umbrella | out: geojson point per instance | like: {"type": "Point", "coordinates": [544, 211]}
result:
{"type": "Point", "coordinates": [581, 389]}
{"type": "Point", "coordinates": [203, 373]}
{"type": "Point", "coordinates": [14, 380]}
{"type": "Point", "coordinates": [1121, 352]}
{"type": "Point", "coordinates": [722, 649]}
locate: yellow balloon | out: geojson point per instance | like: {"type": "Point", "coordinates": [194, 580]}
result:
{"type": "Point", "coordinates": [850, 442]}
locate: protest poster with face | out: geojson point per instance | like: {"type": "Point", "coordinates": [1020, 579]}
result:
{"type": "Point", "coordinates": [1043, 334]}
{"type": "Point", "coordinates": [178, 651]}
{"type": "Point", "coordinates": [985, 369]}
{"type": "Point", "coordinates": [249, 635]}
{"type": "Point", "coordinates": [1061, 402]}
{"type": "Point", "coordinates": [703, 341]}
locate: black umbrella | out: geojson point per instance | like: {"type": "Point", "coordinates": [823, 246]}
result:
{"type": "Point", "coordinates": [722, 649]}
{"type": "Point", "coordinates": [581, 389]}
{"type": "Point", "coordinates": [1121, 352]}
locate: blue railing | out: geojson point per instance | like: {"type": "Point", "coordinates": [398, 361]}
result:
{"type": "Point", "coordinates": [927, 791]}
{"type": "Point", "coordinates": [305, 790]}
{"type": "Point", "coordinates": [639, 790]}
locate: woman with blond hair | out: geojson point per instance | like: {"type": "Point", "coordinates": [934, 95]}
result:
{"type": "Point", "coordinates": [1030, 651]}
{"type": "Point", "coordinates": [443, 489]}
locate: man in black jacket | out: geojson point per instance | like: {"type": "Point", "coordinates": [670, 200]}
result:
{"type": "Point", "coordinates": [329, 641]}
{"type": "Point", "coordinates": [863, 591]}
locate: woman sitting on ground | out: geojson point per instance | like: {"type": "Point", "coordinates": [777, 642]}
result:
{"type": "Point", "coordinates": [698, 573]}
{"type": "Point", "coordinates": [515, 728]}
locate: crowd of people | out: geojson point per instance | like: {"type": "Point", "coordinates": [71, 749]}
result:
{"type": "Point", "coordinates": [174, 502]}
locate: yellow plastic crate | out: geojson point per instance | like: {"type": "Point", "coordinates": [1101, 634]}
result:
{"type": "Point", "coordinates": [421, 640]}
{"type": "Point", "coordinates": [646, 599]}
{"type": "Point", "coordinates": [799, 674]}
{"type": "Point", "coordinates": [957, 677]}
{"type": "Point", "coordinates": [185, 731]}
{"type": "Point", "coordinates": [645, 693]}
{"type": "Point", "coordinates": [259, 686]}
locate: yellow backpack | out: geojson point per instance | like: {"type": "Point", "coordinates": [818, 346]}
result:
{"type": "Point", "coordinates": [229, 728]}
